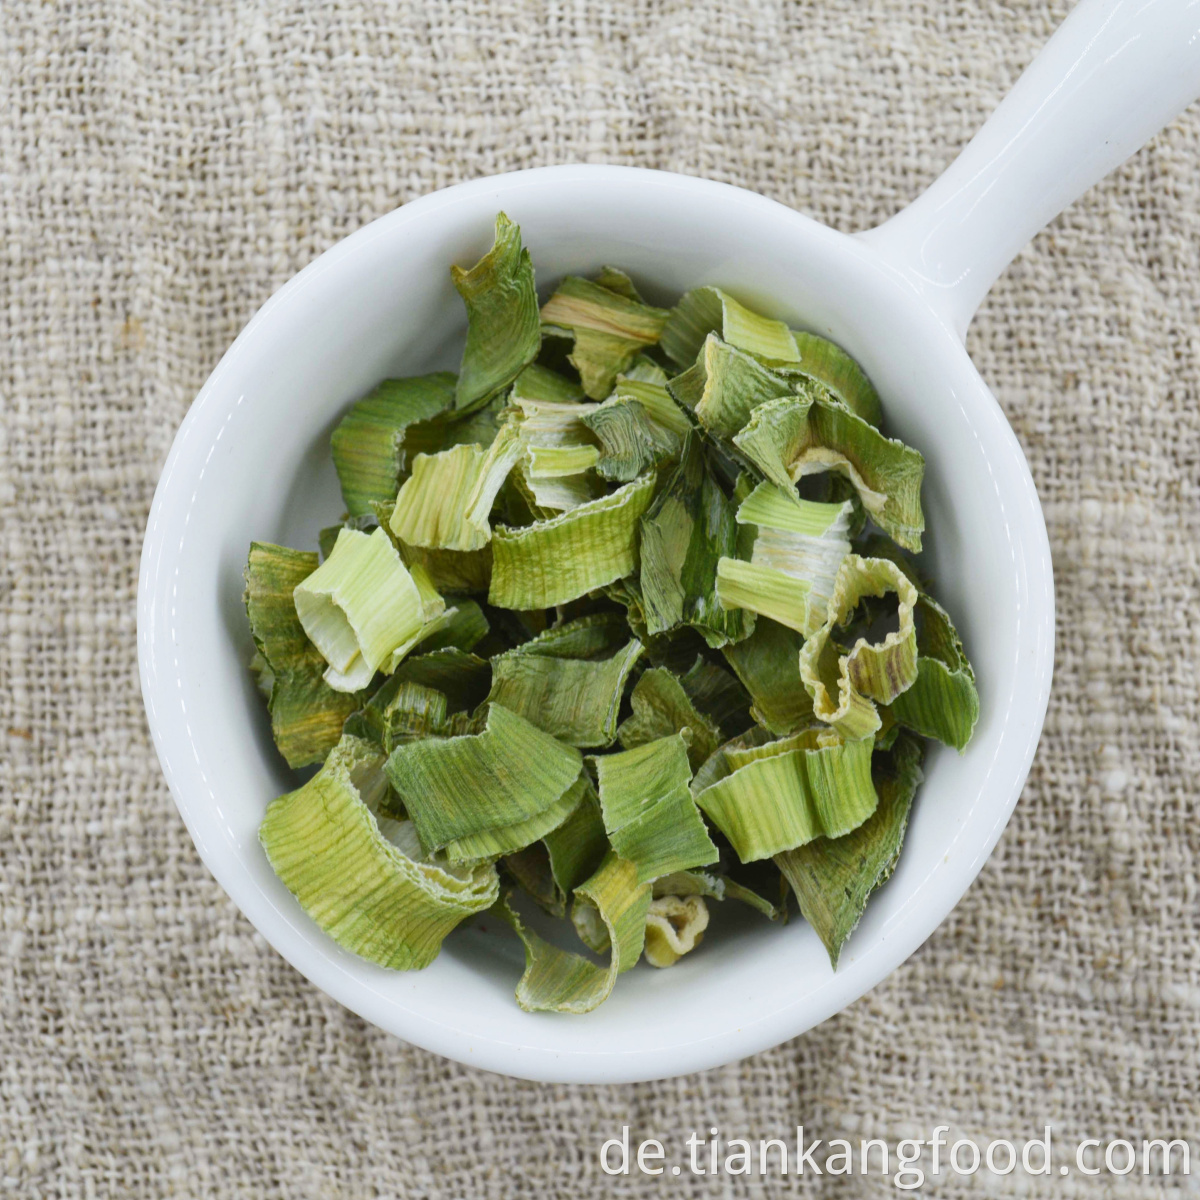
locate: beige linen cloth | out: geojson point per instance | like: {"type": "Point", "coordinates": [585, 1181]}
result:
{"type": "Point", "coordinates": [164, 166]}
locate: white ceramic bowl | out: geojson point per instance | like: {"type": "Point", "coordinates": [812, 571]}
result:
{"type": "Point", "coordinates": [251, 461]}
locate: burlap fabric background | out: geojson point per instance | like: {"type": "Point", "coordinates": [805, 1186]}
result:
{"type": "Point", "coordinates": [165, 166]}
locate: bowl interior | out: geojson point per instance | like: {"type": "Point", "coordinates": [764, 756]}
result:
{"type": "Point", "coordinates": [252, 462]}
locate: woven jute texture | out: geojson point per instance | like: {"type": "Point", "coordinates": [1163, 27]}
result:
{"type": "Point", "coordinates": [164, 167]}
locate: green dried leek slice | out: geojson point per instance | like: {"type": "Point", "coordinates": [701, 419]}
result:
{"type": "Point", "coordinates": [828, 363]}
{"type": "Point", "coordinates": [361, 608]}
{"type": "Point", "coordinates": [362, 878]}
{"type": "Point", "coordinates": [688, 529]}
{"type": "Point", "coordinates": [503, 326]}
{"type": "Point", "coordinates": [734, 385]}
{"type": "Point", "coordinates": [709, 310]}
{"type": "Point", "coordinates": [609, 330]}
{"type": "Point", "coordinates": [505, 839]}
{"type": "Point", "coordinates": [560, 559]}
{"type": "Point", "coordinates": [540, 383]}
{"type": "Point", "coordinates": [368, 444]}
{"type": "Point", "coordinates": [556, 438]}
{"type": "Point", "coordinates": [943, 702]}
{"type": "Point", "coordinates": [834, 877]}
{"type": "Point", "coordinates": [306, 713]}
{"type": "Point", "coordinates": [460, 786]}
{"type": "Point", "coordinates": [768, 666]}
{"type": "Point", "coordinates": [558, 981]}
{"type": "Point", "coordinates": [638, 426]}
{"type": "Point", "coordinates": [648, 811]}
{"type": "Point", "coordinates": [662, 707]}
{"type": "Point", "coordinates": [798, 549]}
{"type": "Point", "coordinates": [574, 700]}
{"type": "Point", "coordinates": [812, 433]}
{"type": "Point", "coordinates": [399, 712]}
{"type": "Point", "coordinates": [872, 670]}
{"type": "Point", "coordinates": [463, 678]}
{"type": "Point", "coordinates": [578, 846]}
{"type": "Point", "coordinates": [786, 793]}
{"type": "Point", "coordinates": [447, 500]}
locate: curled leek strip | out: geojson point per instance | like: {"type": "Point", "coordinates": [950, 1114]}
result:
{"type": "Point", "coordinates": [446, 502]}
{"type": "Point", "coordinates": [662, 707]}
{"type": "Point", "coordinates": [708, 310]}
{"type": "Point", "coordinates": [787, 793]}
{"type": "Point", "coordinates": [798, 549]}
{"type": "Point", "coordinates": [503, 327]}
{"type": "Point", "coordinates": [674, 926]}
{"type": "Point", "coordinates": [369, 442]}
{"type": "Point", "coordinates": [871, 670]}
{"type": "Point", "coordinates": [558, 981]}
{"type": "Point", "coordinates": [361, 608]}
{"type": "Point", "coordinates": [943, 702]}
{"type": "Point", "coordinates": [562, 558]}
{"type": "Point", "coordinates": [306, 713]}
{"type": "Point", "coordinates": [364, 879]}
{"type": "Point", "coordinates": [686, 532]}
{"type": "Point", "coordinates": [648, 811]}
{"type": "Point", "coordinates": [834, 877]}
{"type": "Point", "coordinates": [457, 787]}
{"type": "Point", "coordinates": [609, 329]}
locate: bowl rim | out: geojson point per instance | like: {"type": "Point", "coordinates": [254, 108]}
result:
{"type": "Point", "coordinates": [909, 929]}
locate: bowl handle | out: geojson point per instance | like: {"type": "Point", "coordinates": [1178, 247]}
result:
{"type": "Point", "coordinates": [1113, 74]}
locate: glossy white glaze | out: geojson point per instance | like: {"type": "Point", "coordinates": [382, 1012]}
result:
{"type": "Point", "coordinates": [251, 460]}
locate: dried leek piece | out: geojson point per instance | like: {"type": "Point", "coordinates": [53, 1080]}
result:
{"type": "Point", "coordinates": [463, 678]}
{"type": "Point", "coordinates": [813, 433]}
{"type": "Point", "coordinates": [460, 786]}
{"type": "Point", "coordinates": [829, 364]}
{"type": "Point", "coordinates": [558, 981]}
{"type": "Point", "coordinates": [446, 502]}
{"type": "Point", "coordinates": [531, 870]}
{"type": "Point", "coordinates": [674, 926]}
{"type": "Point", "coordinates": [556, 438]}
{"type": "Point", "coordinates": [575, 700]}
{"type": "Point", "coordinates": [872, 670]}
{"type": "Point", "coordinates": [709, 310]}
{"type": "Point", "coordinates": [834, 877]}
{"type": "Point", "coordinates": [718, 887]}
{"type": "Point", "coordinates": [734, 385]}
{"type": "Point", "coordinates": [505, 839]}
{"type": "Point", "coordinates": [636, 515]}
{"type": "Point", "coordinates": [578, 846]}
{"type": "Point", "coordinates": [648, 811]}
{"type": "Point", "coordinates": [662, 707]}
{"type": "Point", "coordinates": [775, 434]}
{"type": "Point", "coordinates": [943, 702]}
{"type": "Point", "coordinates": [784, 794]}
{"type": "Point", "coordinates": [609, 330]}
{"type": "Point", "coordinates": [638, 426]}
{"type": "Point", "coordinates": [717, 694]}
{"type": "Point", "coordinates": [798, 549]}
{"type": "Point", "coordinates": [399, 712]}
{"type": "Point", "coordinates": [560, 559]}
{"type": "Point", "coordinates": [688, 529]}
{"type": "Point", "coordinates": [363, 879]}
{"type": "Point", "coordinates": [540, 383]}
{"type": "Point", "coordinates": [768, 665]}
{"type": "Point", "coordinates": [361, 608]}
{"type": "Point", "coordinates": [368, 444]}
{"type": "Point", "coordinates": [452, 570]}
{"type": "Point", "coordinates": [306, 713]}
{"type": "Point", "coordinates": [503, 327]}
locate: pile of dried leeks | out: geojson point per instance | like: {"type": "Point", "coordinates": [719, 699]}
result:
{"type": "Point", "coordinates": [619, 616]}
